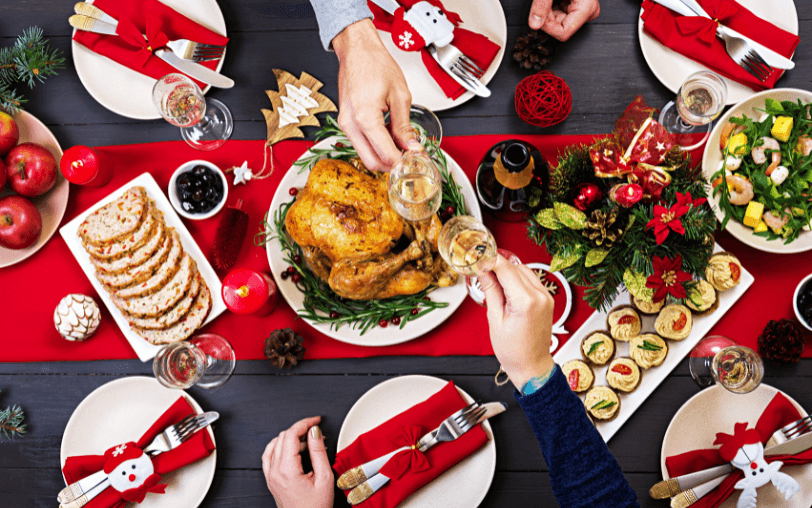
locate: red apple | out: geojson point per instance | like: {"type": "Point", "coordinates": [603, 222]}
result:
{"type": "Point", "coordinates": [9, 133]}
{"type": "Point", "coordinates": [3, 174]}
{"type": "Point", "coordinates": [20, 222]}
{"type": "Point", "coordinates": [31, 169]}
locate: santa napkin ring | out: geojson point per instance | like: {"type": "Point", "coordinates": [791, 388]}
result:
{"type": "Point", "coordinates": [421, 25]}
{"type": "Point", "coordinates": [745, 451]}
{"type": "Point", "coordinates": [131, 472]}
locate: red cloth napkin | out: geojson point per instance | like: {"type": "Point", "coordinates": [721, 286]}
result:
{"type": "Point", "coordinates": [379, 441]}
{"type": "Point", "coordinates": [476, 46]}
{"type": "Point", "coordinates": [779, 412]}
{"type": "Point", "coordinates": [694, 37]}
{"type": "Point", "coordinates": [154, 19]}
{"type": "Point", "coordinates": [193, 449]}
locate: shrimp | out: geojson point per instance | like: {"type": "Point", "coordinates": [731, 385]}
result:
{"type": "Point", "coordinates": [760, 157]}
{"type": "Point", "coordinates": [776, 222]}
{"type": "Point", "coordinates": [741, 190]}
{"type": "Point", "coordinates": [804, 145]}
{"type": "Point", "coordinates": [727, 131]}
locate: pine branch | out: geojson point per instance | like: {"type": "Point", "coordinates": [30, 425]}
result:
{"type": "Point", "coordinates": [29, 61]}
{"type": "Point", "coordinates": [11, 422]}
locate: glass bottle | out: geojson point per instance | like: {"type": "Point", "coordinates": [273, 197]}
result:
{"type": "Point", "coordinates": [511, 179]}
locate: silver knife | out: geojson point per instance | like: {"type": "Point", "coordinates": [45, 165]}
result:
{"type": "Point", "coordinates": [474, 85]}
{"type": "Point", "coordinates": [192, 69]}
{"type": "Point", "coordinates": [692, 8]}
{"type": "Point", "coordinates": [377, 480]}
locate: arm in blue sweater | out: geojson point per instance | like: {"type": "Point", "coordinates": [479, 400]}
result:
{"type": "Point", "coordinates": [583, 472]}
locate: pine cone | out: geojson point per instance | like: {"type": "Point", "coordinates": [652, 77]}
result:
{"type": "Point", "coordinates": [534, 51]}
{"type": "Point", "coordinates": [781, 342]}
{"type": "Point", "coordinates": [602, 229]}
{"type": "Point", "coordinates": [284, 348]}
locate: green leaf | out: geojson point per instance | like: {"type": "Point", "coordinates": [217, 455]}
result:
{"type": "Point", "coordinates": [594, 347]}
{"type": "Point", "coordinates": [548, 219]}
{"type": "Point", "coordinates": [595, 257]}
{"type": "Point", "coordinates": [570, 216]}
{"type": "Point", "coordinates": [604, 404]}
{"type": "Point", "coordinates": [636, 284]}
{"type": "Point", "coordinates": [650, 346]}
{"type": "Point", "coordinates": [558, 263]}
{"type": "Point", "coordinates": [773, 107]}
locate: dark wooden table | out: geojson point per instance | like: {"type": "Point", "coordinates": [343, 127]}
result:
{"type": "Point", "coordinates": [604, 68]}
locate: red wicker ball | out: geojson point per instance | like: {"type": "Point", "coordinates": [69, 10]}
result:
{"type": "Point", "coordinates": [543, 99]}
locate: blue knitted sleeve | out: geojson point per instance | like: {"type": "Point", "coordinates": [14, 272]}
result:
{"type": "Point", "coordinates": [336, 15]}
{"type": "Point", "coordinates": [583, 473]}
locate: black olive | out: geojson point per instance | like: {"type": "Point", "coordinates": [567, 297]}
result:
{"type": "Point", "coordinates": [211, 194]}
{"type": "Point", "coordinates": [198, 195]}
{"type": "Point", "coordinates": [200, 170]}
{"type": "Point", "coordinates": [218, 185]}
{"type": "Point", "coordinates": [184, 182]}
{"type": "Point", "coordinates": [188, 207]}
{"type": "Point", "coordinates": [206, 206]}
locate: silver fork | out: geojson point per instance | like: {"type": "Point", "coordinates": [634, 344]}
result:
{"type": "Point", "coordinates": [80, 493]}
{"type": "Point", "coordinates": [461, 68]}
{"type": "Point", "coordinates": [791, 431]}
{"type": "Point", "coordinates": [184, 48]}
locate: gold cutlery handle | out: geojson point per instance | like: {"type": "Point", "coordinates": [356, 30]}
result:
{"type": "Point", "coordinates": [351, 478]}
{"type": "Point", "coordinates": [82, 22]}
{"type": "Point", "coordinates": [665, 489]}
{"type": "Point", "coordinates": [684, 499]}
{"type": "Point", "coordinates": [360, 494]}
{"type": "Point", "coordinates": [88, 10]}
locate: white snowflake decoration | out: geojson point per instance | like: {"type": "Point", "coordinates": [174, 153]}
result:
{"type": "Point", "coordinates": [549, 285]}
{"type": "Point", "coordinates": [242, 174]}
{"type": "Point", "coordinates": [406, 40]}
{"type": "Point", "coordinates": [119, 450]}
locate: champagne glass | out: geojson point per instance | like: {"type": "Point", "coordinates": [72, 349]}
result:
{"type": "Point", "coordinates": [415, 187]}
{"type": "Point", "coordinates": [206, 360]}
{"type": "Point", "coordinates": [425, 124]}
{"type": "Point", "coordinates": [700, 100]}
{"type": "Point", "coordinates": [204, 124]}
{"type": "Point", "coordinates": [718, 359]}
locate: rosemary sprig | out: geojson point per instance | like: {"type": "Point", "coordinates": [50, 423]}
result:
{"type": "Point", "coordinates": [604, 404]}
{"type": "Point", "coordinates": [594, 347]}
{"type": "Point", "coordinates": [649, 346]}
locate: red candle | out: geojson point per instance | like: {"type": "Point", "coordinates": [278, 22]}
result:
{"type": "Point", "coordinates": [246, 291]}
{"type": "Point", "coordinates": [80, 165]}
{"type": "Point", "coordinates": [626, 195]}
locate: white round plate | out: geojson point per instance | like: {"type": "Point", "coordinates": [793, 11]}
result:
{"type": "Point", "coordinates": [121, 411]}
{"type": "Point", "coordinates": [465, 484]}
{"type": "Point", "coordinates": [712, 156]}
{"type": "Point", "coordinates": [375, 336]}
{"type": "Point", "coordinates": [125, 91]}
{"type": "Point", "coordinates": [53, 203]}
{"type": "Point", "coordinates": [716, 410]}
{"type": "Point", "coordinates": [485, 17]}
{"type": "Point", "coordinates": [671, 68]}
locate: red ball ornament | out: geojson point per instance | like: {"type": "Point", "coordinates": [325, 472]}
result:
{"type": "Point", "coordinates": [586, 196]}
{"type": "Point", "coordinates": [543, 99]}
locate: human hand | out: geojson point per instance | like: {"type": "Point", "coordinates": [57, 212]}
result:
{"type": "Point", "coordinates": [370, 83]}
{"type": "Point", "coordinates": [282, 466]}
{"type": "Point", "coordinates": [562, 21]}
{"type": "Point", "coordinates": [520, 317]}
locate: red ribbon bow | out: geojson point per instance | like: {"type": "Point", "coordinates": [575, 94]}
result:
{"type": "Point", "coordinates": [138, 494]}
{"type": "Point", "coordinates": [705, 28]}
{"type": "Point", "coordinates": [778, 413]}
{"type": "Point", "coordinates": [156, 39]}
{"type": "Point", "coordinates": [407, 460]}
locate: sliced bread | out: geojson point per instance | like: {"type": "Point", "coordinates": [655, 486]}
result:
{"type": "Point", "coordinates": [175, 314]}
{"type": "Point", "coordinates": [142, 271]}
{"type": "Point", "coordinates": [160, 275]}
{"type": "Point", "coordinates": [184, 328]}
{"type": "Point", "coordinates": [126, 246]}
{"type": "Point", "coordinates": [137, 257]}
{"type": "Point", "coordinates": [115, 220]}
{"type": "Point", "coordinates": [160, 301]}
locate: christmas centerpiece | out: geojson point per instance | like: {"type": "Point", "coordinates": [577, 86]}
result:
{"type": "Point", "coordinates": [628, 210]}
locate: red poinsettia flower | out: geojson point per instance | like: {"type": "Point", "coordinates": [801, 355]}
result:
{"type": "Point", "coordinates": [686, 199]}
{"type": "Point", "coordinates": [667, 278]}
{"type": "Point", "coordinates": [667, 219]}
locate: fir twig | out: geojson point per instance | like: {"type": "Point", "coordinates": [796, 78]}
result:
{"type": "Point", "coordinates": [11, 422]}
{"type": "Point", "coordinates": [29, 61]}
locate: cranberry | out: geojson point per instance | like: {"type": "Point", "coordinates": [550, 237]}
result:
{"type": "Point", "coordinates": [415, 311]}
{"type": "Point", "coordinates": [291, 270]}
{"type": "Point", "coordinates": [333, 315]}
{"type": "Point", "coordinates": [284, 275]}
{"type": "Point", "coordinates": [426, 299]}
{"type": "Point", "coordinates": [293, 191]}
{"type": "Point", "coordinates": [395, 320]}
{"type": "Point", "coordinates": [449, 210]}
{"type": "Point", "coordinates": [339, 145]}
{"type": "Point", "coordinates": [296, 277]}
{"type": "Point", "coordinates": [383, 323]}
{"type": "Point", "coordinates": [297, 259]}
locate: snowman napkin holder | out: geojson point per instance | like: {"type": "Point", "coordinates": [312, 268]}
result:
{"type": "Point", "coordinates": [424, 23]}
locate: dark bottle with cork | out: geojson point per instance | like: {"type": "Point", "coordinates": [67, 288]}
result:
{"type": "Point", "coordinates": [511, 180]}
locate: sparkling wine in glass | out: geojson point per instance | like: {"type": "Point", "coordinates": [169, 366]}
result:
{"type": "Point", "coordinates": [415, 187]}
{"type": "Point", "coordinates": [206, 360]}
{"type": "Point", "coordinates": [204, 124]}
{"type": "Point", "coordinates": [425, 124]}
{"type": "Point", "coordinates": [467, 246]}
{"type": "Point", "coordinates": [689, 117]}
{"type": "Point", "coordinates": [721, 360]}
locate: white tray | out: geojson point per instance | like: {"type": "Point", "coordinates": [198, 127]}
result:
{"type": "Point", "coordinates": [142, 348]}
{"type": "Point", "coordinates": [677, 350]}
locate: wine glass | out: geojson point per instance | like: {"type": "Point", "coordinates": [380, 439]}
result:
{"type": "Point", "coordinates": [700, 100]}
{"type": "Point", "coordinates": [204, 124]}
{"type": "Point", "coordinates": [721, 360]}
{"type": "Point", "coordinates": [206, 360]}
{"type": "Point", "coordinates": [425, 124]}
{"type": "Point", "coordinates": [415, 187]}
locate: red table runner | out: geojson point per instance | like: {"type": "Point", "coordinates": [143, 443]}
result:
{"type": "Point", "coordinates": [30, 290]}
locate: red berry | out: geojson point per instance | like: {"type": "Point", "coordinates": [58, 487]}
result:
{"type": "Point", "coordinates": [291, 270]}
{"type": "Point", "coordinates": [293, 191]}
{"type": "Point", "coordinates": [395, 320]}
{"type": "Point", "coordinates": [415, 311]}
{"type": "Point", "coordinates": [297, 259]}
{"type": "Point", "coordinates": [339, 145]}
{"type": "Point", "coordinates": [333, 315]}
{"type": "Point", "coordinates": [284, 275]}
{"type": "Point", "coordinates": [295, 277]}
{"type": "Point", "coordinates": [426, 299]}
{"type": "Point", "coordinates": [449, 210]}
{"type": "Point", "coordinates": [383, 323]}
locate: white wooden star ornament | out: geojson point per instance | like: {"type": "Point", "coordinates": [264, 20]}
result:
{"type": "Point", "coordinates": [242, 174]}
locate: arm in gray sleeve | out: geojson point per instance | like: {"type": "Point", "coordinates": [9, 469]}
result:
{"type": "Point", "coordinates": [336, 15]}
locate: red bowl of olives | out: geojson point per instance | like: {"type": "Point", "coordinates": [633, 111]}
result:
{"type": "Point", "coordinates": [198, 190]}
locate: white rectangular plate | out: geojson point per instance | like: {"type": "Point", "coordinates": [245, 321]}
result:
{"type": "Point", "coordinates": [677, 350]}
{"type": "Point", "coordinates": [142, 348]}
